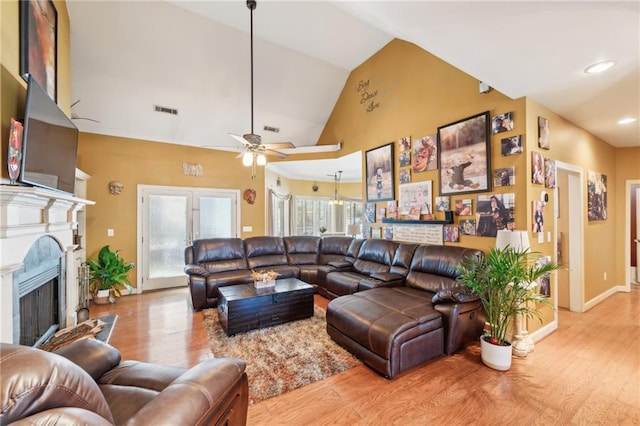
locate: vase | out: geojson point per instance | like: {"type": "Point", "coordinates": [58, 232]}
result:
{"type": "Point", "coordinates": [497, 357]}
{"type": "Point", "coordinates": [102, 297]}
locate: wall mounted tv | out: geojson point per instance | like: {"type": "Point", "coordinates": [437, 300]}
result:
{"type": "Point", "coordinates": [49, 143]}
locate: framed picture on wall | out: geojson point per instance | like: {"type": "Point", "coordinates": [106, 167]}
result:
{"type": "Point", "coordinates": [416, 195]}
{"type": "Point", "coordinates": [380, 173]}
{"type": "Point", "coordinates": [464, 153]}
{"type": "Point", "coordinates": [39, 43]}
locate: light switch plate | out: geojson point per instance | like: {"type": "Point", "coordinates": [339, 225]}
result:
{"type": "Point", "coordinates": [247, 229]}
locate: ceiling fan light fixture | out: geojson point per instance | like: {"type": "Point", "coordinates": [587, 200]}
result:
{"type": "Point", "coordinates": [247, 159]}
{"type": "Point", "coordinates": [261, 159]}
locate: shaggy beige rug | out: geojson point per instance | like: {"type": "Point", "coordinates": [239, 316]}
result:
{"type": "Point", "coordinates": [281, 358]}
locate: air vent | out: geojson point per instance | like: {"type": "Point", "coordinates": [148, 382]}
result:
{"type": "Point", "coordinates": [271, 129]}
{"type": "Point", "coordinates": [166, 110]}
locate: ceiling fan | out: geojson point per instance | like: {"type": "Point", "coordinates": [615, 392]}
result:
{"type": "Point", "coordinates": [252, 149]}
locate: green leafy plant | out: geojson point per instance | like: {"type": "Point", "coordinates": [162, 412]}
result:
{"type": "Point", "coordinates": [505, 281]}
{"type": "Point", "coordinates": [109, 272]}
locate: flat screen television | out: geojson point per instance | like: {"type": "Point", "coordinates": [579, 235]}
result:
{"type": "Point", "coordinates": [49, 143]}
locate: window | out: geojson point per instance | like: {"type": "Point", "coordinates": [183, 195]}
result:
{"type": "Point", "coordinates": [311, 213]}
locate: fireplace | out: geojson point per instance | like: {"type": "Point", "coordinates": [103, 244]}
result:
{"type": "Point", "coordinates": [40, 297]}
{"type": "Point", "coordinates": [38, 262]}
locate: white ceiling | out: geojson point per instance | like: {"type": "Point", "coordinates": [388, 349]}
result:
{"type": "Point", "coordinates": [128, 56]}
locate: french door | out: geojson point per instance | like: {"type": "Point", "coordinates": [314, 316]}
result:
{"type": "Point", "coordinates": [169, 219]}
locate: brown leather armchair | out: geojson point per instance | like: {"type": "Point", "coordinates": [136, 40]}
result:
{"type": "Point", "coordinates": [85, 383]}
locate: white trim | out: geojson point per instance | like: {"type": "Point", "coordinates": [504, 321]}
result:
{"type": "Point", "coordinates": [543, 332]}
{"type": "Point", "coordinates": [576, 293]}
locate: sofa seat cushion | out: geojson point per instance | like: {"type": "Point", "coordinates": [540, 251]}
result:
{"type": "Point", "coordinates": [342, 283]}
{"type": "Point", "coordinates": [375, 316]}
{"type": "Point", "coordinates": [391, 328]}
{"type": "Point", "coordinates": [219, 254]}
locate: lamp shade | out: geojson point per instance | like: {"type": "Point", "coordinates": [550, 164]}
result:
{"type": "Point", "coordinates": [517, 240]}
{"type": "Point", "coordinates": [353, 229]}
{"type": "Point", "coordinates": [247, 158]}
{"type": "Point", "coordinates": [261, 159]}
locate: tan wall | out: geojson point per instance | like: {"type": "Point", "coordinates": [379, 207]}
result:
{"type": "Point", "coordinates": [416, 93]}
{"type": "Point", "coordinates": [627, 169]}
{"type": "Point", "coordinates": [135, 162]}
{"type": "Point", "coordinates": [13, 88]}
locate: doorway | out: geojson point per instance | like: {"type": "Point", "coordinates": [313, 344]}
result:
{"type": "Point", "coordinates": [568, 217]}
{"type": "Point", "coordinates": [169, 219]}
{"type": "Point", "coordinates": [632, 241]}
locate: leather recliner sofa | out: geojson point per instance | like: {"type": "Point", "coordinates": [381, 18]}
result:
{"type": "Point", "coordinates": [216, 262]}
{"type": "Point", "coordinates": [85, 382]}
{"type": "Point", "coordinates": [393, 329]}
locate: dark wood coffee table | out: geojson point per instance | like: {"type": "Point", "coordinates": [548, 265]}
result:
{"type": "Point", "coordinates": [243, 307]}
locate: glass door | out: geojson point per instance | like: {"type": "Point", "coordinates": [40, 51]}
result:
{"type": "Point", "coordinates": [171, 218]}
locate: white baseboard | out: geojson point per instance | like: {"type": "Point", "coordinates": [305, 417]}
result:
{"type": "Point", "coordinates": [613, 290]}
{"type": "Point", "coordinates": [543, 332]}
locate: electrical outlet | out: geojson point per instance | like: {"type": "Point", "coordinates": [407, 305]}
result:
{"type": "Point", "coordinates": [110, 232]}
{"type": "Point", "coordinates": [605, 276]}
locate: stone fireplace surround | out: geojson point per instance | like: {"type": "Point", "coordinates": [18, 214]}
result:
{"type": "Point", "coordinates": [26, 214]}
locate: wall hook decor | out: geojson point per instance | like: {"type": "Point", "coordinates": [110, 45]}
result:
{"type": "Point", "coordinates": [115, 187]}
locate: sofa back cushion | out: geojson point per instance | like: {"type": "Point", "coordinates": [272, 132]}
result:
{"type": "Point", "coordinates": [333, 249]}
{"type": "Point", "coordinates": [402, 259]}
{"type": "Point", "coordinates": [302, 250]}
{"type": "Point", "coordinates": [433, 268]}
{"type": "Point", "coordinates": [218, 254]}
{"type": "Point", "coordinates": [375, 256]}
{"type": "Point", "coordinates": [262, 252]}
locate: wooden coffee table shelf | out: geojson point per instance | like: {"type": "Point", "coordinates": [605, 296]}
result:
{"type": "Point", "coordinates": [243, 307]}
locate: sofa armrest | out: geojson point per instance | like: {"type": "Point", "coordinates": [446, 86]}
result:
{"type": "Point", "coordinates": [216, 391]}
{"type": "Point", "coordinates": [193, 269]}
{"type": "Point", "coordinates": [463, 323]}
{"type": "Point", "coordinates": [454, 295]}
{"type": "Point", "coordinates": [387, 276]}
{"type": "Point", "coordinates": [342, 265]}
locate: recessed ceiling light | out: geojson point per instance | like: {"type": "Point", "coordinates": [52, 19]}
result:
{"type": "Point", "coordinates": [627, 120]}
{"type": "Point", "coordinates": [599, 67]}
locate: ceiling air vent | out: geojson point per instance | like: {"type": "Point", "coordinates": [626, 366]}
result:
{"type": "Point", "coordinates": [166, 110]}
{"type": "Point", "coordinates": [271, 129]}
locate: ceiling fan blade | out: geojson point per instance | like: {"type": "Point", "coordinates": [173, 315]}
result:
{"type": "Point", "coordinates": [278, 145]}
{"type": "Point", "coordinates": [312, 149]}
{"type": "Point", "coordinates": [240, 139]}
{"type": "Point", "coordinates": [276, 153]}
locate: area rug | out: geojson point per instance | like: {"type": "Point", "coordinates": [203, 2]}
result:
{"type": "Point", "coordinates": [281, 358]}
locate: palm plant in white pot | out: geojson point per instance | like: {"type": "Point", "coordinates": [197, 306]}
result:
{"type": "Point", "coordinates": [505, 279]}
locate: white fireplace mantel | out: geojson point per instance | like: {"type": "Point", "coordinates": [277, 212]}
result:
{"type": "Point", "coordinates": [26, 214]}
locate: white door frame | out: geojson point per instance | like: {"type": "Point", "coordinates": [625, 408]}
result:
{"type": "Point", "coordinates": [141, 189]}
{"type": "Point", "coordinates": [575, 192]}
{"type": "Point", "coordinates": [627, 230]}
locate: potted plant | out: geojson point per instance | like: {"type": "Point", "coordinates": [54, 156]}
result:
{"type": "Point", "coordinates": [505, 279]}
{"type": "Point", "coordinates": [108, 273]}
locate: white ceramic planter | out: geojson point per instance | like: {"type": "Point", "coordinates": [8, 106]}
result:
{"type": "Point", "coordinates": [495, 356]}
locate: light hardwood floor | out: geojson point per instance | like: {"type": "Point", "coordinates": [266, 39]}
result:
{"type": "Point", "coordinates": [587, 372]}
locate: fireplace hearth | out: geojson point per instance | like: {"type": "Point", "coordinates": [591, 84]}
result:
{"type": "Point", "coordinates": [41, 298]}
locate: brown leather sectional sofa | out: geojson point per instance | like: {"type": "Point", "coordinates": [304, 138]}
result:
{"type": "Point", "coordinates": [85, 383]}
{"type": "Point", "coordinates": [394, 305]}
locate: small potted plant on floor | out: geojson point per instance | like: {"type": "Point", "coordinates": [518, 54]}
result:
{"type": "Point", "coordinates": [505, 279]}
{"type": "Point", "coordinates": [108, 275]}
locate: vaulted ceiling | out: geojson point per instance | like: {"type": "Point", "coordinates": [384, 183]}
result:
{"type": "Point", "coordinates": [193, 56]}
